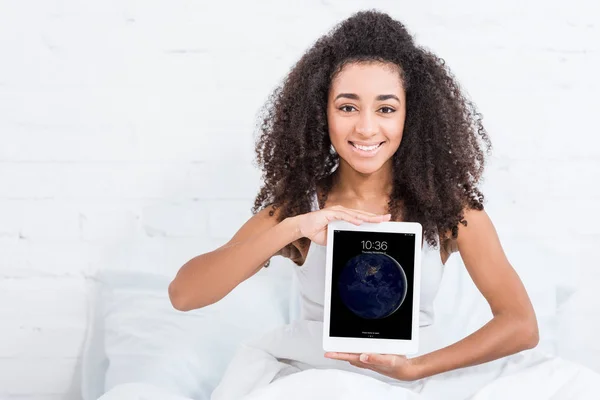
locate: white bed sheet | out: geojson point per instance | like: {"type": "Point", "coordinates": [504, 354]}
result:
{"type": "Point", "coordinates": [460, 309]}
{"type": "Point", "coordinates": [287, 363]}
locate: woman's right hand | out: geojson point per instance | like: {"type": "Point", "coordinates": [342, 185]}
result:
{"type": "Point", "coordinates": [313, 225]}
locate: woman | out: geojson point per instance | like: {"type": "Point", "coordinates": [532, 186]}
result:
{"type": "Point", "coordinates": [370, 127]}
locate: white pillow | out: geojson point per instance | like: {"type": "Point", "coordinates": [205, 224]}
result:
{"type": "Point", "coordinates": [137, 336]}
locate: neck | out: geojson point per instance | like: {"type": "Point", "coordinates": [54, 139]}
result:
{"type": "Point", "coordinates": [351, 184]}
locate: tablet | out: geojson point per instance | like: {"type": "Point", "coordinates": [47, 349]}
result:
{"type": "Point", "coordinates": [372, 287]}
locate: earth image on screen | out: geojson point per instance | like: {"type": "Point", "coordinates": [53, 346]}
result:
{"type": "Point", "coordinates": [372, 285]}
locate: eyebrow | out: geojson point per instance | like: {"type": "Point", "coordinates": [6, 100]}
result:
{"type": "Point", "coordinates": [381, 97]}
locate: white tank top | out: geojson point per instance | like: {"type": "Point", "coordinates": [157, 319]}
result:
{"type": "Point", "coordinates": [310, 280]}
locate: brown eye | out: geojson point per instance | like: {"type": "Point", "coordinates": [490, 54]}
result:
{"type": "Point", "coordinates": [388, 108]}
{"type": "Point", "coordinates": [343, 107]}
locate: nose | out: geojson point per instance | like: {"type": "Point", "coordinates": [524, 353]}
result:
{"type": "Point", "coordinates": [366, 125]}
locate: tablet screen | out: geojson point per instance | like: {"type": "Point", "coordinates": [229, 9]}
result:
{"type": "Point", "coordinates": [372, 285]}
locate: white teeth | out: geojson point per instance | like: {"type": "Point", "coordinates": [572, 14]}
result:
{"type": "Point", "coordinates": [366, 148]}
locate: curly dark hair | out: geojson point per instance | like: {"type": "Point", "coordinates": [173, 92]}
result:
{"type": "Point", "coordinates": [440, 159]}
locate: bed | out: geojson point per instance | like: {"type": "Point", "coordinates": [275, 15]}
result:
{"type": "Point", "coordinates": [139, 347]}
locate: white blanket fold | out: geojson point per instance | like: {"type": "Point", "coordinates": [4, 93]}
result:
{"type": "Point", "coordinates": [288, 363]}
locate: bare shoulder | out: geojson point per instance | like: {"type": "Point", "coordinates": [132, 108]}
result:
{"type": "Point", "coordinates": [450, 245]}
{"type": "Point", "coordinates": [477, 223]}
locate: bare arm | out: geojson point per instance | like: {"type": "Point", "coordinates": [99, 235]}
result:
{"type": "Point", "coordinates": [209, 277]}
{"type": "Point", "coordinates": [513, 327]}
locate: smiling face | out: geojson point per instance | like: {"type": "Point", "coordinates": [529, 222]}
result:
{"type": "Point", "coordinates": [366, 112]}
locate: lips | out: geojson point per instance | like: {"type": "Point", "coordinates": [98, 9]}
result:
{"type": "Point", "coordinates": [366, 150]}
{"type": "Point", "coordinates": [366, 146]}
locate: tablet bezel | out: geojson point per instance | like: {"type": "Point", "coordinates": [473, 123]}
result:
{"type": "Point", "coordinates": [369, 345]}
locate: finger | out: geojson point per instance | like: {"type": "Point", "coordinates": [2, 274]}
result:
{"type": "Point", "coordinates": [365, 214]}
{"type": "Point", "coordinates": [360, 211]}
{"type": "Point", "coordinates": [389, 360]}
{"type": "Point", "coordinates": [343, 356]}
{"type": "Point", "coordinates": [365, 218]}
{"type": "Point", "coordinates": [376, 218]}
{"type": "Point", "coordinates": [356, 212]}
{"type": "Point", "coordinates": [358, 364]}
{"type": "Point", "coordinates": [344, 216]}
{"type": "Point", "coordinates": [384, 217]}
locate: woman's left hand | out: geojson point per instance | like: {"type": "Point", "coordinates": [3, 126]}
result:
{"type": "Point", "coordinates": [392, 365]}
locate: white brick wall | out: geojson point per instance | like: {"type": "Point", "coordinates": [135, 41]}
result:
{"type": "Point", "coordinates": [126, 141]}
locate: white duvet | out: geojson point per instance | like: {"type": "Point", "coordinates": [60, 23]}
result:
{"type": "Point", "coordinates": [288, 363]}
